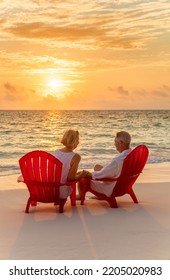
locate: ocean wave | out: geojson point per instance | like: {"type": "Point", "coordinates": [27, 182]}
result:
{"type": "Point", "coordinates": [10, 166]}
{"type": "Point", "coordinates": [6, 170]}
{"type": "Point", "coordinates": [153, 159]}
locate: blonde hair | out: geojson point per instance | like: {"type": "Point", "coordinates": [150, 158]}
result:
{"type": "Point", "coordinates": [124, 137]}
{"type": "Point", "coordinates": [70, 137]}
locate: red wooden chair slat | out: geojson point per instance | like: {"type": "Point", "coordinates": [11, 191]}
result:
{"type": "Point", "coordinates": [42, 175]}
{"type": "Point", "coordinates": [51, 171]}
{"type": "Point", "coordinates": [36, 166]}
{"type": "Point", "coordinates": [29, 168]}
{"type": "Point", "coordinates": [132, 167]}
{"type": "Point", "coordinates": [43, 168]}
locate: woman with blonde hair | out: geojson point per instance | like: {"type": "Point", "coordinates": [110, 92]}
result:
{"type": "Point", "coordinates": [69, 159]}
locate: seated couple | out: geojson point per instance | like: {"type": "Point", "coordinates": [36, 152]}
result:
{"type": "Point", "coordinates": [70, 161]}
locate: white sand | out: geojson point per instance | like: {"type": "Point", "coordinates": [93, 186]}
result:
{"type": "Point", "coordinates": [92, 231]}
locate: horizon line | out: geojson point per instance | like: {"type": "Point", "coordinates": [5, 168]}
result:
{"type": "Point", "coordinates": [156, 109]}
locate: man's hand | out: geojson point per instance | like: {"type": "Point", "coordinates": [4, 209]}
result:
{"type": "Point", "coordinates": [83, 174]}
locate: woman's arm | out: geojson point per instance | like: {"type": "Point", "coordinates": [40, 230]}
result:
{"type": "Point", "coordinates": [74, 167]}
{"type": "Point", "coordinates": [20, 179]}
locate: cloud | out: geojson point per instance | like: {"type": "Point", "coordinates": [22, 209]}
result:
{"type": "Point", "coordinates": [41, 30]}
{"type": "Point", "coordinates": [85, 35]}
{"type": "Point", "coordinates": [167, 88]}
{"type": "Point", "coordinates": [160, 92]}
{"type": "Point", "coordinates": [110, 89]}
{"type": "Point", "coordinates": [12, 93]}
{"type": "Point", "coordinates": [9, 87]}
{"type": "Point", "coordinates": [2, 21]}
{"type": "Point", "coordinates": [122, 91]}
{"type": "Point", "coordinates": [28, 63]}
{"type": "Point", "coordinates": [109, 24]}
{"type": "Point", "coordinates": [163, 91]}
{"type": "Point", "coordinates": [28, 98]}
{"type": "Point", "coordinates": [9, 92]}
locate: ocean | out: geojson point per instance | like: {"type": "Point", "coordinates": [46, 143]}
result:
{"type": "Point", "coordinates": [24, 131]}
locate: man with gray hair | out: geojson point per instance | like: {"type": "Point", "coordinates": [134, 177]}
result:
{"type": "Point", "coordinates": [112, 169]}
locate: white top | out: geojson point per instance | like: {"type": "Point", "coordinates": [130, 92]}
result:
{"type": "Point", "coordinates": [111, 170]}
{"type": "Point", "coordinates": [65, 158]}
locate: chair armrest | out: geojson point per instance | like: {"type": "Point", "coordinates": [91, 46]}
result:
{"type": "Point", "coordinates": [106, 179]}
{"type": "Point", "coordinates": [69, 183]}
{"type": "Point", "coordinates": [40, 183]}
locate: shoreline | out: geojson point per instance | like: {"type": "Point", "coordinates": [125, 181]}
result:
{"type": "Point", "coordinates": [152, 172]}
{"type": "Point", "coordinates": [90, 232]}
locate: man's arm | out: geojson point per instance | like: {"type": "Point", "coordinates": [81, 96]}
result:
{"type": "Point", "coordinates": [98, 167]}
{"type": "Point", "coordinates": [108, 171]}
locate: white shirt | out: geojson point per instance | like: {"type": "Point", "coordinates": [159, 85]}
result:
{"type": "Point", "coordinates": [110, 170]}
{"type": "Point", "coordinates": [65, 158]}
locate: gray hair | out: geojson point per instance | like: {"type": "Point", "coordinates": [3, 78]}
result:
{"type": "Point", "coordinates": [124, 137]}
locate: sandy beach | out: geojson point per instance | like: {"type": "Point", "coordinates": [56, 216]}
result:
{"type": "Point", "coordinates": [93, 231]}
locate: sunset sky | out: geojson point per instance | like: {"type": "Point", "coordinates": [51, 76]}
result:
{"type": "Point", "coordinates": [70, 54]}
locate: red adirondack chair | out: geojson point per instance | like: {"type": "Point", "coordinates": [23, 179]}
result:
{"type": "Point", "coordinates": [132, 167]}
{"type": "Point", "coordinates": [42, 175]}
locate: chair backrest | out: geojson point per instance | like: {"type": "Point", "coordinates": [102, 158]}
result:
{"type": "Point", "coordinates": [42, 174]}
{"type": "Point", "coordinates": [132, 167]}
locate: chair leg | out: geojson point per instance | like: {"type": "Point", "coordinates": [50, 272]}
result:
{"type": "Point", "coordinates": [61, 205]}
{"type": "Point", "coordinates": [113, 203]}
{"type": "Point", "coordinates": [83, 194]}
{"type": "Point", "coordinates": [73, 195]}
{"type": "Point", "coordinates": [33, 203]}
{"type": "Point", "coordinates": [133, 196]}
{"type": "Point", "coordinates": [28, 205]}
{"type": "Point", "coordinates": [83, 187]}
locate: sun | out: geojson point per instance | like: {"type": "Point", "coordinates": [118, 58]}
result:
{"type": "Point", "coordinates": [54, 84]}
{"type": "Point", "coordinates": [55, 88]}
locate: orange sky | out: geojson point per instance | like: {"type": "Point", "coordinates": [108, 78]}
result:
{"type": "Point", "coordinates": [112, 54]}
